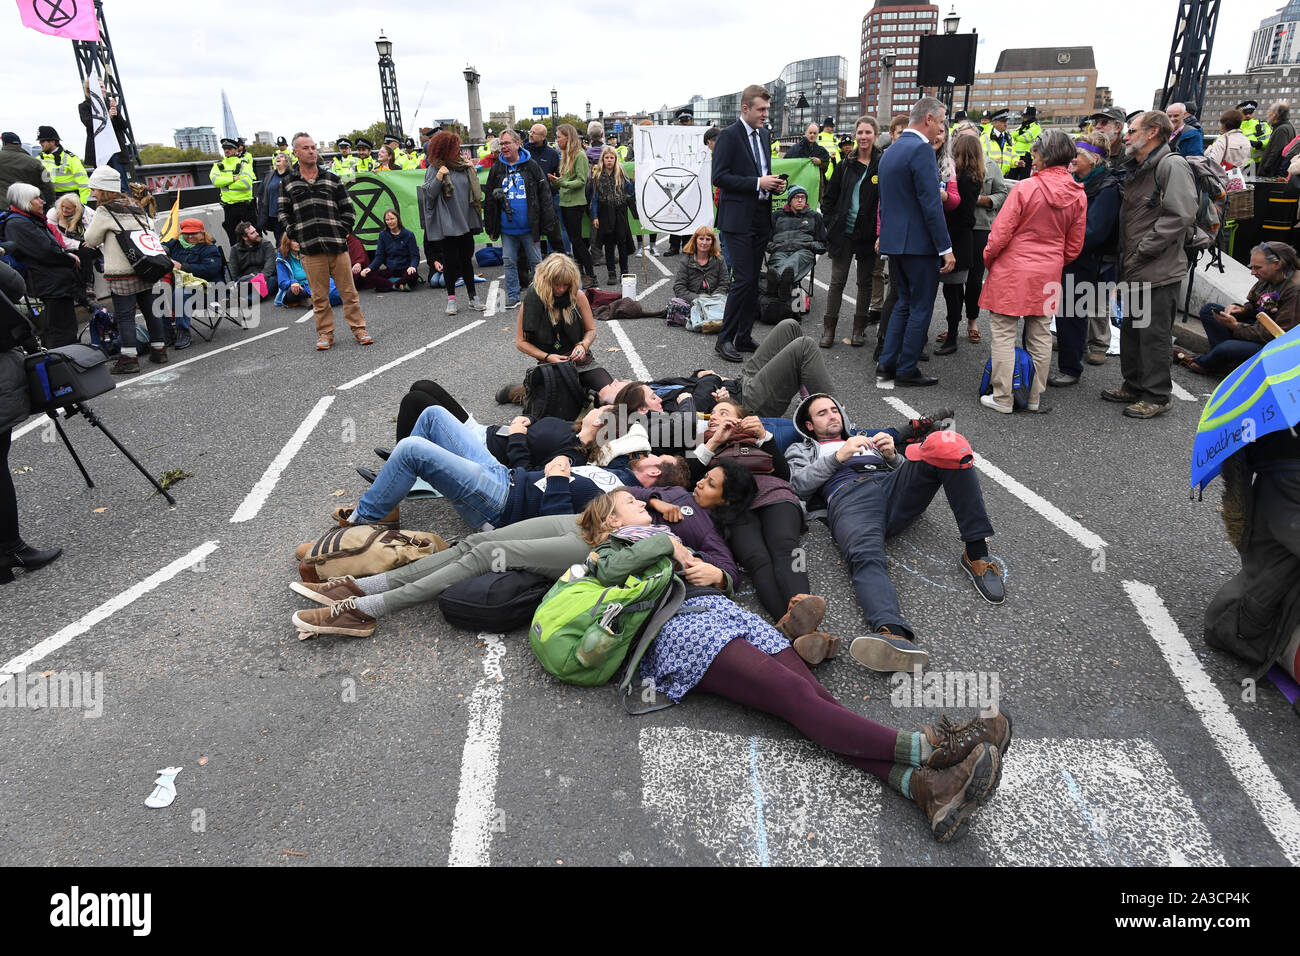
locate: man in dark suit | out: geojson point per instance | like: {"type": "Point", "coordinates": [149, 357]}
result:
{"type": "Point", "coordinates": [742, 171]}
{"type": "Point", "coordinates": [914, 235]}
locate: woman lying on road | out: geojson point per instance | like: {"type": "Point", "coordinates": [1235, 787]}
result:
{"type": "Point", "coordinates": [712, 645]}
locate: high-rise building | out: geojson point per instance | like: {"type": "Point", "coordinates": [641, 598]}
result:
{"type": "Point", "coordinates": [893, 26]}
{"type": "Point", "coordinates": [1275, 43]}
{"type": "Point", "coordinates": [1059, 82]}
{"type": "Point", "coordinates": [264, 137]}
{"type": "Point", "coordinates": [196, 137]}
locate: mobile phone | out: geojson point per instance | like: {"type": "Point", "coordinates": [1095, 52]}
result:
{"type": "Point", "coordinates": [784, 177]}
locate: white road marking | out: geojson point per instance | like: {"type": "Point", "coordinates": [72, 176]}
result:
{"type": "Point", "coordinates": [471, 830]}
{"type": "Point", "coordinates": [650, 288]}
{"type": "Point", "coordinates": [887, 385]}
{"type": "Point", "coordinates": [1243, 758]}
{"type": "Point", "coordinates": [847, 298]}
{"type": "Point", "coordinates": [252, 504]}
{"type": "Point", "coordinates": [309, 314]}
{"type": "Point", "coordinates": [638, 367]}
{"type": "Point", "coordinates": [1089, 539]}
{"type": "Point", "coordinates": [491, 300]}
{"type": "Point", "coordinates": [1086, 802]}
{"type": "Point", "coordinates": [360, 379]}
{"type": "Point", "coordinates": [169, 367]}
{"type": "Point", "coordinates": [1183, 394]}
{"type": "Point", "coordinates": [659, 265]}
{"type": "Point", "coordinates": [756, 801]}
{"type": "Point", "coordinates": [104, 611]}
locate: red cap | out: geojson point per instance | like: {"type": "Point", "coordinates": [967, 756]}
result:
{"type": "Point", "coordinates": [192, 225]}
{"type": "Point", "coordinates": [946, 449]}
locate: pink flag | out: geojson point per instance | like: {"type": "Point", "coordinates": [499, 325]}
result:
{"type": "Point", "coordinates": [72, 19]}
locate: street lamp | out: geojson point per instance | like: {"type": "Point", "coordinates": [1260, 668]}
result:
{"type": "Point", "coordinates": [388, 86]}
{"type": "Point", "coordinates": [555, 111]}
{"type": "Point", "coordinates": [951, 22]}
{"type": "Point", "coordinates": [817, 99]}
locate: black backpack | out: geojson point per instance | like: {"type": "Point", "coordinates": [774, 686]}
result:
{"type": "Point", "coordinates": [496, 601]}
{"type": "Point", "coordinates": [553, 390]}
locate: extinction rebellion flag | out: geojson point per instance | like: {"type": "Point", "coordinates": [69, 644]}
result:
{"type": "Point", "coordinates": [70, 19]}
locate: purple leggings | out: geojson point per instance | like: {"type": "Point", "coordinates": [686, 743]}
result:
{"type": "Point", "coordinates": [782, 685]}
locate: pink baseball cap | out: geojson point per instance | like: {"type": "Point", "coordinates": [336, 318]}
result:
{"type": "Point", "coordinates": [946, 449]}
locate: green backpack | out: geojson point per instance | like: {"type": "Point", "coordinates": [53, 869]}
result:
{"type": "Point", "coordinates": [583, 630]}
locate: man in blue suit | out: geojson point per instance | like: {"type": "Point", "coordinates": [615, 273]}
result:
{"type": "Point", "coordinates": [742, 171]}
{"type": "Point", "coordinates": [914, 235]}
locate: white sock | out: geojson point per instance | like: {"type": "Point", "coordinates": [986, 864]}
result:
{"type": "Point", "coordinates": [372, 605]}
{"type": "Point", "coordinates": [374, 584]}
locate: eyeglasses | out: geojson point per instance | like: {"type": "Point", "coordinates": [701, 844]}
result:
{"type": "Point", "coordinates": [1269, 254]}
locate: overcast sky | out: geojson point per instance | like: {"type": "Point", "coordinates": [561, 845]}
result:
{"type": "Point", "coordinates": [285, 71]}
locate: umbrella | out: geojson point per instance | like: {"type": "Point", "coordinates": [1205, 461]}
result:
{"type": "Point", "coordinates": [1261, 396]}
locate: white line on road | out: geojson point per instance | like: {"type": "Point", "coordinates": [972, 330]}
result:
{"type": "Point", "coordinates": [650, 288]}
{"type": "Point", "coordinates": [471, 829]}
{"type": "Point", "coordinates": [408, 356]}
{"type": "Point", "coordinates": [659, 265]}
{"type": "Point", "coordinates": [252, 504]}
{"type": "Point", "coordinates": [1183, 394]}
{"type": "Point", "coordinates": [105, 610]}
{"type": "Point", "coordinates": [492, 297]}
{"type": "Point", "coordinates": [1243, 758]}
{"type": "Point", "coordinates": [1089, 539]}
{"type": "Point", "coordinates": [309, 314]}
{"type": "Point", "coordinates": [169, 367]}
{"type": "Point", "coordinates": [638, 367]}
{"type": "Point", "coordinates": [847, 298]}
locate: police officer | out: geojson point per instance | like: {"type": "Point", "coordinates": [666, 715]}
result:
{"type": "Point", "coordinates": [957, 117]}
{"type": "Point", "coordinates": [998, 142]}
{"type": "Point", "coordinates": [282, 148]}
{"type": "Point", "coordinates": [365, 163]}
{"type": "Point", "coordinates": [233, 176]}
{"type": "Point", "coordinates": [1023, 140]}
{"type": "Point", "coordinates": [399, 155]}
{"type": "Point", "coordinates": [986, 123]}
{"type": "Point", "coordinates": [826, 140]}
{"type": "Point", "coordinates": [1257, 130]}
{"type": "Point", "coordinates": [345, 164]}
{"type": "Point", "coordinates": [67, 172]}
{"type": "Point", "coordinates": [489, 144]}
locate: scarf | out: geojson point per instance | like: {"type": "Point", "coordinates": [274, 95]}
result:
{"type": "Point", "coordinates": [641, 532]}
{"type": "Point", "coordinates": [609, 191]}
{"type": "Point", "coordinates": [1097, 172]}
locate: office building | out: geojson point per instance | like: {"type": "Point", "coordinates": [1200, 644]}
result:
{"type": "Point", "coordinates": [1274, 43]}
{"type": "Point", "coordinates": [1059, 82]}
{"type": "Point", "coordinates": [893, 26]}
{"type": "Point", "coordinates": [197, 137]}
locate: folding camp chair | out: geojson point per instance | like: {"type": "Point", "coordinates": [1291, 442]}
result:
{"type": "Point", "coordinates": [214, 310]}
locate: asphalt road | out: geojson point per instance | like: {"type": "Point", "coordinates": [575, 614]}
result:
{"type": "Point", "coordinates": [1133, 742]}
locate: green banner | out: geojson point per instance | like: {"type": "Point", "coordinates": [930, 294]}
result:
{"type": "Point", "coordinates": [373, 194]}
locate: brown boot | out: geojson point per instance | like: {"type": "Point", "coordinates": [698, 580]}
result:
{"type": "Point", "coordinates": [125, 365]}
{"type": "Point", "coordinates": [391, 520]}
{"type": "Point", "coordinates": [158, 355]}
{"type": "Point", "coordinates": [828, 331]}
{"type": "Point", "coordinates": [953, 742]}
{"type": "Point", "coordinates": [948, 797]}
{"type": "Point", "coordinates": [331, 592]}
{"type": "Point", "coordinates": [341, 617]}
{"type": "Point", "coordinates": [816, 647]}
{"type": "Point", "coordinates": [859, 336]}
{"type": "Point", "coordinates": [802, 615]}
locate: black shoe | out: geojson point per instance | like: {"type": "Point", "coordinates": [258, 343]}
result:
{"type": "Point", "coordinates": [503, 394]}
{"type": "Point", "coordinates": [785, 285]}
{"type": "Point", "coordinates": [368, 474]}
{"type": "Point", "coordinates": [948, 348]}
{"type": "Point", "coordinates": [924, 356]}
{"type": "Point", "coordinates": [183, 340]}
{"type": "Point", "coordinates": [383, 453]}
{"type": "Point", "coordinates": [748, 345]}
{"type": "Point", "coordinates": [26, 557]}
{"type": "Point", "coordinates": [916, 379]}
{"type": "Point", "coordinates": [884, 374]}
{"type": "Point", "coordinates": [772, 281]}
{"type": "Point", "coordinates": [670, 252]}
{"type": "Point", "coordinates": [873, 316]}
{"type": "Point", "coordinates": [987, 578]}
{"type": "Point", "coordinates": [728, 352]}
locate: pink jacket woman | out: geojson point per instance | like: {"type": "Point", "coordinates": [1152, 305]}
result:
{"type": "Point", "coordinates": [1038, 230]}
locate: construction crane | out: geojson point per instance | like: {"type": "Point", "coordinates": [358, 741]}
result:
{"type": "Point", "coordinates": [1189, 54]}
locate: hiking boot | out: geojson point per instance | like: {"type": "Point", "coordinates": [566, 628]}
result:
{"type": "Point", "coordinates": [1062, 380]}
{"type": "Point", "coordinates": [342, 617]}
{"type": "Point", "coordinates": [1095, 358]}
{"type": "Point", "coordinates": [815, 647]}
{"type": "Point", "coordinates": [948, 797]}
{"type": "Point", "coordinates": [802, 615]}
{"type": "Point", "coordinates": [390, 520]}
{"type": "Point", "coordinates": [158, 356]}
{"type": "Point", "coordinates": [828, 331]}
{"type": "Point", "coordinates": [125, 365]}
{"type": "Point", "coordinates": [917, 428]}
{"type": "Point", "coordinates": [986, 576]}
{"type": "Point", "coordinates": [335, 590]}
{"type": "Point", "coordinates": [1120, 395]}
{"type": "Point", "coordinates": [886, 652]}
{"type": "Point", "coordinates": [1146, 409]}
{"type": "Point", "coordinates": [953, 742]}
{"type": "Point", "coordinates": [858, 337]}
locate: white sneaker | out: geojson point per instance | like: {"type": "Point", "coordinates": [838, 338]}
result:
{"type": "Point", "coordinates": [476, 305]}
{"type": "Point", "coordinates": [653, 250]}
{"type": "Point", "coordinates": [451, 306]}
{"type": "Point", "coordinates": [988, 402]}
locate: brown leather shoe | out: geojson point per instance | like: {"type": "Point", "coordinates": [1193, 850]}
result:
{"type": "Point", "coordinates": [828, 332]}
{"type": "Point", "coordinates": [332, 591]}
{"type": "Point", "coordinates": [859, 336]}
{"type": "Point", "coordinates": [816, 647]}
{"type": "Point", "coordinates": [948, 797]}
{"type": "Point", "coordinates": [1095, 358]}
{"type": "Point", "coordinates": [802, 615]}
{"type": "Point", "coordinates": [341, 617]}
{"type": "Point", "coordinates": [953, 742]}
{"type": "Point", "coordinates": [125, 365]}
{"type": "Point", "coordinates": [341, 515]}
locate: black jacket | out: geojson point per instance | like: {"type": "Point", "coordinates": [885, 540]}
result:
{"type": "Point", "coordinates": [839, 196]}
{"type": "Point", "coordinates": [961, 221]}
{"type": "Point", "coordinates": [541, 210]}
{"type": "Point", "coordinates": [51, 272]}
{"type": "Point", "coordinates": [19, 166]}
{"type": "Point", "coordinates": [1273, 162]}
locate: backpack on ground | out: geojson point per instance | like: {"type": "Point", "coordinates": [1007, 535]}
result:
{"type": "Point", "coordinates": [1022, 378]}
{"type": "Point", "coordinates": [361, 550]}
{"type": "Point", "coordinates": [553, 390]}
{"type": "Point", "coordinates": [706, 314]}
{"type": "Point", "coordinates": [496, 601]}
{"type": "Point", "coordinates": [584, 629]}
{"type": "Point", "coordinates": [489, 255]}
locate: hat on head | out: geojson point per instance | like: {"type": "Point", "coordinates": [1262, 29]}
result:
{"type": "Point", "coordinates": [685, 115]}
{"type": "Point", "coordinates": [1109, 113]}
{"type": "Point", "coordinates": [959, 116]}
{"type": "Point", "coordinates": [11, 139]}
{"type": "Point", "coordinates": [946, 449]}
{"type": "Point", "coordinates": [46, 132]}
{"type": "Point", "coordinates": [986, 115]}
{"type": "Point", "coordinates": [796, 190]}
{"type": "Point", "coordinates": [390, 138]}
{"type": "Point", "coordinates": [1030, 112]}
{"type": "Point", "coordinates": [1131, 116]}
{"type": "Point", "coordinates": [363, 143]}
{"type": "Point", "coordinates": [106, 178]}
{"type": "Point", "coordinates": [846, 141]}
{"type": "Point", "coordinates": [1249, 106]}
{"type": "Point", "coordinates": [192, 225]}
{"type": "Point", "coordinates": [1001, 115]}
{"type": "Point", "coordinates": [343, 141]}
{"type": "Point", "coordinates": [281, 142]}
{"type": "Point", "coordinates": [227, 143]}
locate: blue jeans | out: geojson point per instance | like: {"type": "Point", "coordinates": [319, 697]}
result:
{"type": "Point", "coordinates": [510, 248]}
{"type": "Point", "coordinates": [1225, 353]}
{"type": "Point", "coordinates": [881, 505]}
{"type": "Point", "coordinates": [448, 455]}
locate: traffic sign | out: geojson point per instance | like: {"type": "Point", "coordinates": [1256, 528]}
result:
{"type": "Point", "coordinates": [541, 110]}
{"type": "Point", "coordinates": [618, 127]}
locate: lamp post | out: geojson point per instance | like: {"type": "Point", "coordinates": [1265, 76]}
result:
{"type": "Point", "coordinates": [817, 100]}
{"type": "Point", "coordinates": [588, 111]}
{"type": "Point", "coordinates": [950, 24]}
{"type": "Point", "coordinates": [388, 86]}
{"type": "Point", "coordinates": [555, 112]}
{"type": "Point", "coordinates": [885, 103]}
